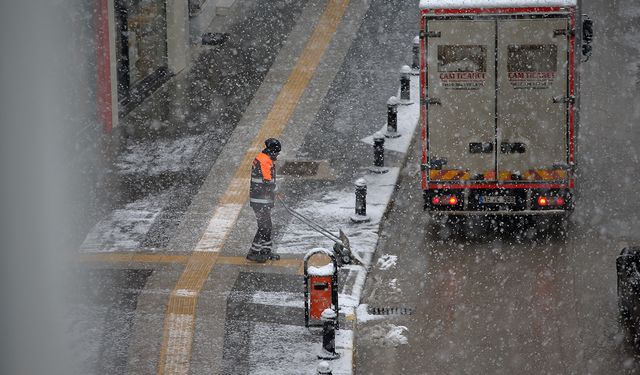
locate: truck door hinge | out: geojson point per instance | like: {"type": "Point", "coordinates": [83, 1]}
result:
{"type": "Point", "coordinates": [558, 32]}
{"type": "Point", "coordinates": [565, 32]}
{"type": "Point", "coordinates": [433, 101]}
{"type": "Point", "coordinates": [564, 99]}
{"type": "Point", "coordinates": [433, 34]}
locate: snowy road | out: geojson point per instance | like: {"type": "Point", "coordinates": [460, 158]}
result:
{"type": "Point", "coordinates": [504, 304]}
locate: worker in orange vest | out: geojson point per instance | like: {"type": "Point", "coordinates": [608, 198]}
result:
{"type": "Point", "coordinates": [261, 199]}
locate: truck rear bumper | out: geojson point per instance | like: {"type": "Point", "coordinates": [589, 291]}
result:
{"type": "Point", "coordinates": [501, 213]}
{"type": "Point", "coordinates": [503, 202]}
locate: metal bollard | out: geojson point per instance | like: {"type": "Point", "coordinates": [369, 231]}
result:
{"type": "Point", "coordinates": [392, 118]}
{"type": "Point", "coordinates": [405, 85]}
{"type": "Point", "coordinates": [328, 350]}
{"type": "Point", "coordinates": [378, 154]}
{"type": "Point", "coordinates": [415, 64]}
{"type": "Point", "coordinates": [361, 202]}
{"type": "Point", "coordinates": [324, 368]}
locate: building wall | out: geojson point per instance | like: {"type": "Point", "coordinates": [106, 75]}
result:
{"type": "Point", "coordinates": [141, 50]}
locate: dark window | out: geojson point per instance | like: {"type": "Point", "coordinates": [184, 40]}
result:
{"type": "Point", "coordinates": [462, 58]}
{"type": "Point", "coordinates": [532, 58]}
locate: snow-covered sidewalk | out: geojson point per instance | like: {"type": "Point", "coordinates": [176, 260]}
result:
{"type": "Point", "coordinates": [332, 209]}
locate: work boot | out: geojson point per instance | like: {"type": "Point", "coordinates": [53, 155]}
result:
{"type": "Point", "coordinates": [256, 256]}
{"type": "Point", "coordinates": [268, 255]}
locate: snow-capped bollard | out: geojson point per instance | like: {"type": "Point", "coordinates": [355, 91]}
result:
{"type": "Point", "coordinates": [392, 118]}
{"type": "Point", "coordinates": [361, 202]}
{"type": "Point", "coordinates": [328, 350]}
{"type": "Point", "coordinates": [405, 85]}
{"type": "Point", "coordinates": [415, 64]}
{"type": "Point", "coordinates": [378, 154]}
{"type": "Point", "coordinates": [324, 368]}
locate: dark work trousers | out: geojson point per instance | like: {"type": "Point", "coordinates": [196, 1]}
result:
{"type": "Point", "coordinates": [262, 240]}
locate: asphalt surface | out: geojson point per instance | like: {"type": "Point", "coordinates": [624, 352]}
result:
{"type": "Point", "coordinates": [502, 302]}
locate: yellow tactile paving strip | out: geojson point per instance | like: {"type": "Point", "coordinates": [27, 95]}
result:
{"type": "Point", "coordinates": [180, 314]}
{"type": "Point", "coordinates": [180, 259]}
{"type": "Point", "coordinates": [132, 258]}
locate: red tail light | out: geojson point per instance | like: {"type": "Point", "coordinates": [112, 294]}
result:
{"type": "Point", "coordinates": [444, 200]}
{"type": "Point", "coordinates": [551, 201]}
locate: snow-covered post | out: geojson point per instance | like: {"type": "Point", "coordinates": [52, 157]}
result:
{"type": "Point", "coordinates": [405, 85]}
{"type": "Point", "coordinates": [392, 118]}
{"type": "Point", "coordinates": [378, 154]}
{"type": "Point", "coordinates": [328, 350]}
{"type": "Point", "coordinates": [415, 64]}
{"type": "Point", "coordinates": [361, 202]}
{"type": "Point", "coordinates": [324, 368]}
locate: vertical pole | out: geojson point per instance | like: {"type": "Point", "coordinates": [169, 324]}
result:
{"type": "Point", "coordinates": [405, 85]}
{"type": "Point", "coordinates": [378, 154]}
{"type": "Point", "coordinates": [361, 197]}
{"type": "Point", "coordinates": [328, 350]}
{"type": "Point", "coordinates": [361, 202]}
{"type": "Point", "coordinates": [392, 118]}
{"type": "Point", "coordinates": [415, 64]}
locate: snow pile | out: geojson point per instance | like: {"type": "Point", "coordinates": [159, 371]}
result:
{"type": "Point", "coordinates": [393, 285]}
{"type": "Point", "coordinates": [363, 316]}
{"type": "Point", "coordinates": [386, 334]}
{"type": "Point", "coordinates": [387, 261]}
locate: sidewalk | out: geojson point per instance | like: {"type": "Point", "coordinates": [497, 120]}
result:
{"type": "Point", "coordinates": [263, 309]}
{"type": "Point", "coordinates": [169, 143]}
{"type": "Point", "coordinates": [248, 318]}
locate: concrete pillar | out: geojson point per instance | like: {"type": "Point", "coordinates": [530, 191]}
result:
{"type": "Point", "coordinates": [177, 34]}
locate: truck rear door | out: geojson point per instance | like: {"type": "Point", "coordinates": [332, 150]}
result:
{"type": "Point", "coordinates": [532, 98]}
{"type": "Point", "coordinates": [461, 98]}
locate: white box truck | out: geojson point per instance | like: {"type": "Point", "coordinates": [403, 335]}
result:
{"type": "Point", "coordinates": [499, 105]}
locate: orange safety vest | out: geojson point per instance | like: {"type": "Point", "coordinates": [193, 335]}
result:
{"type": "Point", "coordinates": [263, 181]}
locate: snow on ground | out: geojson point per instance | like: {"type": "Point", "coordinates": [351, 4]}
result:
{"type": "Point", "coordinates": [124, 229]}
{"type": "Point", "coordinates": [393, 284]}
{"type": "Point", "coordinates": [284, 299]}
{"type": "Point", "coordinates": [386, 334]}
{"type": "Point", "coordinates": [407, 121]}
{"type": "Point", "coordinates": [158, 156]}
{"type": "Point", "coordinates": [387, 261]}
{"type": "Point", "coordinates": [363, 315]}
{"type": "Point", "coordinates": [277, 346]}
{"type": "Point", "coordinates": [332, 211]}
